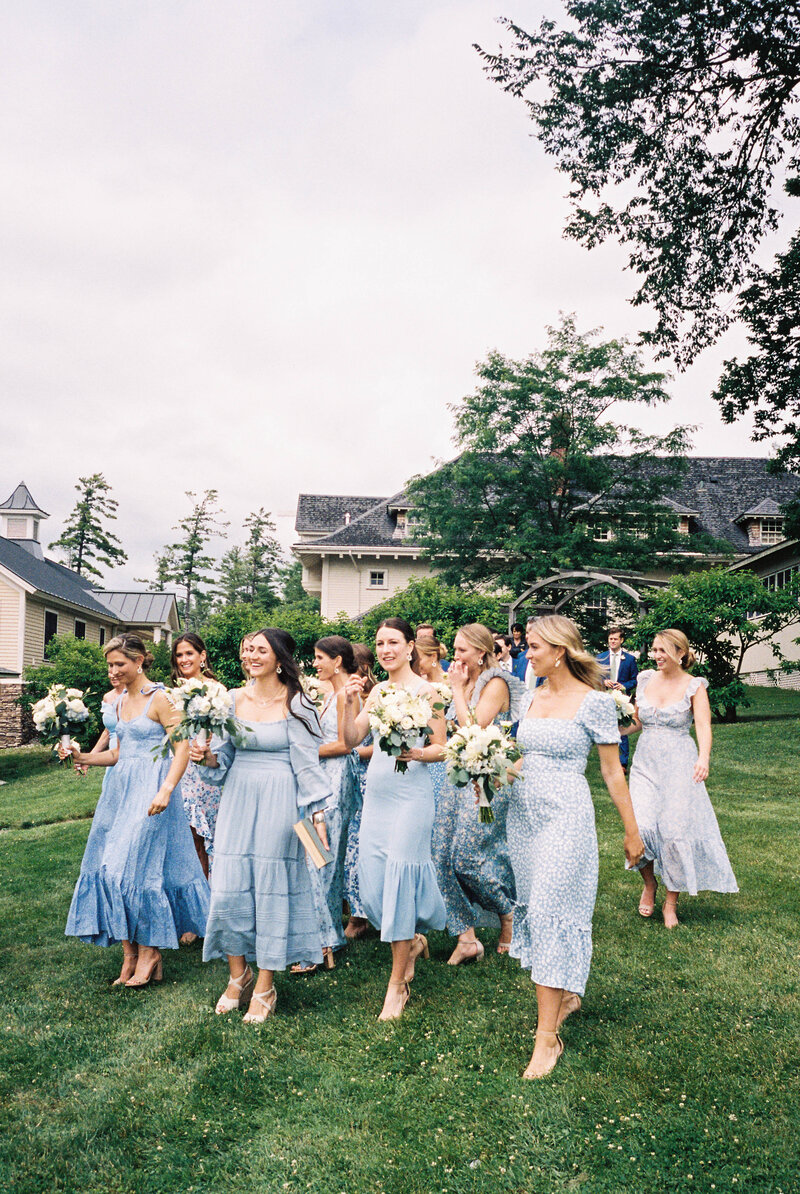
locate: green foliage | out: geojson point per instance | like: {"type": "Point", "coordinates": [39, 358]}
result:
{"type": "Point", "coordinates": [223, 631]}
{"type": "Point", "coordinates": [84, 538]}
{"type": "Point", "coordinates": [75, 663]}
{"type": "Point", "coordinates": [291, 582]}
{"type": "Point", "coordinates": [722, 614]}
{"type": "Point", "coordinates": [159, 671]}
{"type": "Point", "coordinates": [542, 470]}
{"type": "Point", "coordinates": [670, 120]}
{"type": "Point", "coordinates": [187, 562]}
{"type": "Point", "coordinates": [446, 607]}
{"type": "Point", "coordinates": [251, 573]}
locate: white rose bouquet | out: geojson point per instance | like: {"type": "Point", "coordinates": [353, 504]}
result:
{"type": "Point", "coordinates": [625, 707]}
{"type": "Point", "coordinates": [205, 709]}
{"type": "Point", "coordinates": [313, 690]}
{"type": "Point", "coordinates": [398, 719]}
{"type": "Point", "coordinates": [481, 755]}
{"type": "Point", "coordinates": [57, 714]}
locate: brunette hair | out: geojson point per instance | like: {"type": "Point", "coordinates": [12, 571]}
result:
{"type": "Point", "coordinates": [365, 662]}
{"type": "Point", "coordinates": [559, 631]}
{"type": "Point", "coordinates": [480, 637]}
{"type": "Point", "coordinates": [283, 646]}
{"type": "Point", "coordinates": [194, 640]}
{"type": "Point", "coordinates": [335, 644]}
{"type": "Point", "coordinates": [408, 634]}
{"type": "Point", "coordinates": [620, 630]}
{"type": "Point", "coordinates": [678, 640]}
{"type": "Point", "coordinates": [132, 647]}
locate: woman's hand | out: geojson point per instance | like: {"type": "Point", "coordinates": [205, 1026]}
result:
{"type": "Point", "coordinates": [634, 848]}
{"type": "Point", "coordinates": [160, 802]}
{"type": "Point", "coordinates": [73, 752]}
{"type": "Point", "coordinates": [457, 674]}
{"type": "Point", "coordinates": [700, 773]}
{"type": "Point", "coordinates": [414, 755]}
{"type": "Point", "coordinates": [353, 689]}
{"type": "Point", "coordinates": [200, 753]}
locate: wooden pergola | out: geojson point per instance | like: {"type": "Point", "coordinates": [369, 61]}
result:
{"type": "Point", "coordinates": [568, 585]}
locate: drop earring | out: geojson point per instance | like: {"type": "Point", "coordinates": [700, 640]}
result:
{"type": "Point", "coordinates": [279, 669]}
{"type": "Point", "coordinates": [138, 671]}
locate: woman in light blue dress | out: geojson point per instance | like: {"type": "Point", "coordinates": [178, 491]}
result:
{"type": "Point", "coordinates": [141, 882]}
{"type": "Point", "coordinates": [395, 870]}
{"type": "Point", "coordinates": [551, 829]}
{"type": "Point", "coordinates": [473, 867]}
{"type": "Point", "coordinates": [189, 661]}
{"type": "Point", "coordinates": [357, 925]}
{"type": "Point", "coordinates": [683, 844]}
{"type": "Point", "coordinates": [430, 653]}
{"type": "Point", "coordinates": [334, 663]}
{"type": "Point", "coordinates": [262, 907]}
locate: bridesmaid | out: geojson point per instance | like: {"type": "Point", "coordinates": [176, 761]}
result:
{"type": "Point", "coordinates": [395, 871]}
{"type": "Point", "coordinates": [108, 737]}
{"type": "Point", "coordinates": [683, 844]}
{"type": "Point", "coordinates": [551, 830]}
{"type": "Point", "coordinates": [141, 882]}
{"type": "Point", "coordinates": [430, 653]}
{"type": "Point", "coordinates": [357, 925]}
{"type": "Point", "coordinates": [244, 654]}
{"type": "Point", "coordinates": [472, 861]}
{"type": "Point", "coordinates": [189, 661]}
{"type": "Point", "coordinates": [262, 907]}
{"type": "Point", "coordinates": [334, 663]}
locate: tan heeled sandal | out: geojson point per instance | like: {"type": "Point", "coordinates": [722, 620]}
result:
{"type": "Point", "coordinates": [268, 1000]}
{"type": "Point", "coordinates": [244, 986]}
{"type": "Point", "coordinates": [154, 975]}
{"type": "Point", "coordinates": [476, 956]}
{"type": "Point", "coordinates": [419, 949]}
{"type": "Point", "coordinates": [549, 1038]}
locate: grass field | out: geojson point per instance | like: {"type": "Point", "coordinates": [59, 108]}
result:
{"type": "Point", "coordinates": [680, 1074]}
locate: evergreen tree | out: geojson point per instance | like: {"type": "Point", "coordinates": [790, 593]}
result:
{"type": "Point", "coordinates": [84, 539]}
{"type": "Point", "coordinates": [189, 562]}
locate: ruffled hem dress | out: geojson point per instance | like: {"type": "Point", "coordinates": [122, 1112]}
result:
{"type": "Point", "coordinates": [201, 805]}
{"type": "Point", "coordinates": [553, 842]}
{"type": "Point", "coordinates": [676, 820]}
{"type": "Point", "coordinates": [328, 882]}
{"type": "Point", "coordinates": [397, 880]}
{"type": "Point", "coordinates": [352, 891]}
{"type": "Point", "coordinates": [140, 879]}
{"type": "Point", "coordinates": [473, 866]}
{"type": "Point", "coordinates": [262, 906]}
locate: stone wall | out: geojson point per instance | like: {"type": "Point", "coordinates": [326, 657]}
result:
{"type": "Point", "coordinates": [16, 724]}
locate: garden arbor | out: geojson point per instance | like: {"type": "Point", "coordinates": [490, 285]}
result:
{"type": "Point", "coordinates": [562, 587]}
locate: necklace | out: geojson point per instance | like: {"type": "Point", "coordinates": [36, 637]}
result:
{"type": "Point", "coordinates": [269, 701]}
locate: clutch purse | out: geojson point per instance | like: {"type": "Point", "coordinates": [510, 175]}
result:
{"type": "Point", "coordinates": [306, 830]}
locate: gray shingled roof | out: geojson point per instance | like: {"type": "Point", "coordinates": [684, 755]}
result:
{"type": "Point", "coordinates": [324, 512]}
{"type": "Point", "coordinates": [376, 527]}
{"type": "Point", "coordinates": [49, 577]}
{"type": "Point", "coordinates": [147, 609]}
{"type": "Point", "coordinates": [765, 509]}
{"type": "Point", "coordinates": [21, 500]}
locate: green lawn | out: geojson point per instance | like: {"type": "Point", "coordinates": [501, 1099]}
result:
{"type": "Point", "coordinates": [680, 1074]}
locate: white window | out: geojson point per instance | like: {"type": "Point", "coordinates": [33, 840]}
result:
{"type": "Point", "coordinates": [377, 578]}
{"type": "Point", "coordinates": [771, 531]}
{"type": "Point", "coordinates": [603, 534]}
{"type": "Point", "coordinates": [779, 580]}
{"type": "Point", "coordinates": [50, 627]}
{"type": "Point", "coordinates": [80, 628]}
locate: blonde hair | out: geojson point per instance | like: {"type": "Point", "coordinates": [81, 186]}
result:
{"type": "Point", "coordinates": [428, 644]}
{"type": "Point", "coordinates": [678, 640]}
{"type": "Point", "coordinates": [132, 647]}
{"type": "Point", "coordinates": [558, 631]}
{"type": "Point", "coordinates": [480, 637]}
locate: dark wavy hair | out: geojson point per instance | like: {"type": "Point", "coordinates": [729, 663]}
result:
{"type": "Point", "coordinates": [335, 644]}
{"type": "Point", "coordinates": [283, 646]}
{"type": "Point", "coordinates": [194, 640]}
{"type": "Point", "coordinates": [408, 634]}
{"type": "Point", "coordinates": [365, 662]}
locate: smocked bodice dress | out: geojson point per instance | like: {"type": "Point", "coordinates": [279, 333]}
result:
{"type": "Point", "coordinates": [553, 843]}
{"type": "Point", "coordinates": [473, 866]}
{"type": "Point", "coordinates": [328, 883]}
{"type": "Point", "coordinates": [261, 901]}
{"type": "Point", "coordinates": [397, 880]}
{"type": "Point", "coordinates": [140, 878]}
{"type": "Point", "coordinates": [108, 714]}
{"type": "Point", "coordinates": [674, 814]}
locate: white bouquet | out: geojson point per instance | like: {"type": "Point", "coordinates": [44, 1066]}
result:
{"type": "Point", "coordinates": [481, 755]}
{"type": "Point", "coordinates": [444, 694]}
{"type": "Point", "coordinates": [625, 707]}
{"type": "Point", "coordinates": [205, 709]}
{"type": "Point", "coordinates": [398, 719]}
{"type": "Point", "coordinates": [57, 714]}
{"type": "Point", "coordinates": [313, 689]}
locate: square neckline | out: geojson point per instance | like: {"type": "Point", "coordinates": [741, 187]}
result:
{"type": "Point", "coordinates": [255, 720]}
{"type": "Point", "coordinates": [527, 717]}
{"type": "Point", "coordinates": [661, 708]}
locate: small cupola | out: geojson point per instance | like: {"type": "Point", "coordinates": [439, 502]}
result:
{"type": "Point", "coordinates": [20, 517]}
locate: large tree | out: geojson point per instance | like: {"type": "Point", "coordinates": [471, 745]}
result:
{"type": "Point", "coordinates": [189, 562]}
{"type": "Point", "coordinates": [85, 541]}
{"type": "Point", "coordinates": [544, 478]}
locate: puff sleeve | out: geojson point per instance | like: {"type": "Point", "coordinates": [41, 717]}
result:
{"type": "Point", "coordinates": [225, 751]}
{"type": "Point", "coordinates": [598, 715]}
{"type": "Point", "coordinates": [313, 789]}
{"type": "Point", "coordinates": [516, 691]}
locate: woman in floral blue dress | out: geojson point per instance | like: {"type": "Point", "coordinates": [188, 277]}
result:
{"type": "Point", "coordinates": [551, 829]}
{"type": "Point", "coordinates": [358, 925]}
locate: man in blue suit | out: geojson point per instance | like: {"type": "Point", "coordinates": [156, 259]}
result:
{"type": "Point", "coordinates": [622, 674]}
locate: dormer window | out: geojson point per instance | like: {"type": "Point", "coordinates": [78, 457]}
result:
{"type": "Point", "coordinates": [771, 531]}
{"type": "Point", "coordinates": [402, 522]}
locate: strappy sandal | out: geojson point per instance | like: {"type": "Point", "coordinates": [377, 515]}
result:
{"type": "Point", "coordinates": [646, 910]}
{"type": "Point", "coordinates": [396, 1015]}
{"type": "Point", "coordinates": [419, 949]}
{"type": "Point", "coordinates": [670, 910]}
{"type": "Point", "coordinates": [476, 956]}
{"type": "Point", "coordinates": [244, 985]}
{"type": "Point", "coordinates": [575, 1005]}
{"type": "Point", "coordinates": [533, 1072]}
{"type": "Point", "coordinates": [503, 946]}
{"type": "Point", "coordinates": [268, 1000]}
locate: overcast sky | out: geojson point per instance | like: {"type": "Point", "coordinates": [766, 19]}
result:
{"type": "Point", "coordinates": [259, 247]}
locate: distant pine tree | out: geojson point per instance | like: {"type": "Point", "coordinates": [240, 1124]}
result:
{"type": "Point", "coordinates": [84, 539]}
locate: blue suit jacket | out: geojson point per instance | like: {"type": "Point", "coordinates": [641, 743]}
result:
{"type": "Point", "coordinates": [519, 666]}
{"type": "Point", "coordinates": [628, 669]}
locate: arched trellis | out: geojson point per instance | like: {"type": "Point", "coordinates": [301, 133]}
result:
{"type": "Point", "coordinates": [573, 583]}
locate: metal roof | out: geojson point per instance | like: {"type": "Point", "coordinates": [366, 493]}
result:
{"type": "Point", "coordinates": [22, 501]}
{"type": "Point", "coordinates": [147, 609]}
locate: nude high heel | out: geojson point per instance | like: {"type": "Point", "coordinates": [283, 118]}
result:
{"type": "Point", "coordinates": [549, 1038]}
{"type": "Point", "coordinates": [154, 975]}
{"type": "Point", "coordinates": [244, 985]}
{"type": "Point", "coordinates": [268, 1000]}
{"type": "Point", "coordinates": [419, 949]}
{"type": "Point", "coordinates": [396, 1015]}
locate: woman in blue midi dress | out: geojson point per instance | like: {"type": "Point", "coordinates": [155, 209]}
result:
{"type": "Point", "coordinates": [395, 870]}
{"type": "Point", "coordinates": [682, 840]}
{"type": "Point", "coordinates": [141, 883]}
{"type": "Point", "coordinates": [551, 830]}
{"type": "Point", "coordinates": [262, 907]}
{"type": "Point", "coordinates": [357, 925]}
{"type": "Point", "coordinates": [472, 862]}
{"type": "Point", "coordinates": [333, 663]}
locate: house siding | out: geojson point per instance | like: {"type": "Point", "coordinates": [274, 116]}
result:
{"type": "Point", "coordinates": [346, 587]}
{"type": "Point", "coordinates": [11, 609]}
{"type": "Point", "coordinates": [33, 652]}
